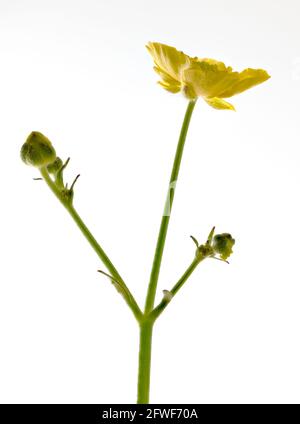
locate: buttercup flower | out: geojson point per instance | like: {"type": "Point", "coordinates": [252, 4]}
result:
{"type": "Point", "coordinates": [206, 78]}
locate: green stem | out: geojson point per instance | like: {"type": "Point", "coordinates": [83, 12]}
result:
{"type": "Point", "coordinates": [165, 301]}
{"type": "Point", "coordinates": [95, 245]}
{"type": "Point", "coordinates": [167, 212]}
{"type": "Point", "coordinates": [144, 361]}
{"type": "Point", "coordinates": [146, 325]}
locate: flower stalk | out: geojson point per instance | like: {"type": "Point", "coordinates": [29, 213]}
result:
{"type": "Point", "coordinates": [167, 211]}
{"type": "Point", "coordinates": [65, 200]}
{"type": "Point", "coordinates": [166, 299]}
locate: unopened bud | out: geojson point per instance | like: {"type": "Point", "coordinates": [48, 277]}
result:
{"type": "Point", "coordinates": [37, 150]}
{"type": "Point", "coordinates": [222, 245]}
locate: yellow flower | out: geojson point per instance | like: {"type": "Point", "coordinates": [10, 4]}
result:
{"type": "Point", "coordinates": [206, 78]}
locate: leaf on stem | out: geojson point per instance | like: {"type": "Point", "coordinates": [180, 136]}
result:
{"type": "Point", "coordinates": [118, 286]}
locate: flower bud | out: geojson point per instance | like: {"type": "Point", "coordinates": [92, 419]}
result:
{"type": "Point", "coordinates": [222, 244]}
{"type": "Point", "coordinates": [37, 150]}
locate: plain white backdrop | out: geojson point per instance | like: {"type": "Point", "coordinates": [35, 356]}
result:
{"type": "Point", "coordinates": [78, 72]}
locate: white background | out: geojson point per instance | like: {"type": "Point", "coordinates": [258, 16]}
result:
{"type": "Point", "coordinates": [78, 72]}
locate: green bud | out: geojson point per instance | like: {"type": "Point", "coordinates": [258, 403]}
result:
{"type": "Point", "coordinates": [222, 244]}
{"type": "Point", "coordinates": [55, 166]}
{"type": "Point", "coordinates": [37, 150]}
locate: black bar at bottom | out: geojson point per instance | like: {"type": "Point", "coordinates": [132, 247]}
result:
{"type": "Point", "coordinates": [96, 414]}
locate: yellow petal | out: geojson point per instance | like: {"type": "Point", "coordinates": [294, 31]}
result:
{"type": "Point", "coordinates": [168, 82]}
{"type": "Point", "coordinates": [169, 87]}
{"type": "Point", "coordinates": [218, 103]}
{"type": "Point", "coordinates": [210, 78]}
{"type": "Point", "coordinates": [243, 81]}
{"type": "Point", "coordinates": [169, 64]}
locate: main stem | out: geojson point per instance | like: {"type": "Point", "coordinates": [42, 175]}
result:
{"type": "Point", "coordinates": [146, 325]}
{"type": "Point", "coordinates": [144, 362]}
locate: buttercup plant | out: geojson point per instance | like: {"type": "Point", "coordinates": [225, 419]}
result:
{"type": "Point", "coordinates": [194, 78]}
